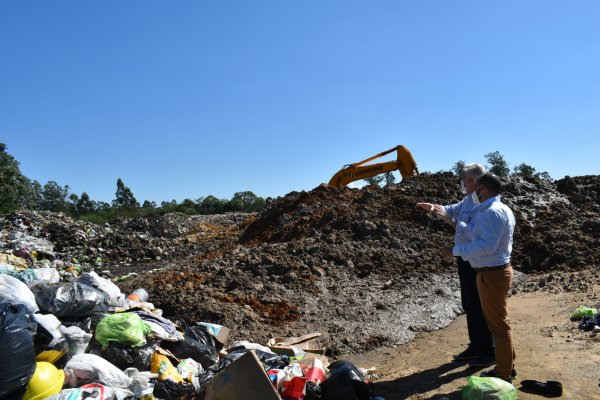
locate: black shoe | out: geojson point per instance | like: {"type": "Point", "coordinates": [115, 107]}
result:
{"type": "Point", "coordinates": [547, 389]}
{"type": "Point", "coordinates": [468, 354]}
{"type": "Point", "coordinates": [492, 374]}
{"type": "Point", "coordinates": [483, 361]}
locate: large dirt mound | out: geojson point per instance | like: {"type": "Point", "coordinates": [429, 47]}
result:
{"type": "Point", "coordinates": [364, 265]}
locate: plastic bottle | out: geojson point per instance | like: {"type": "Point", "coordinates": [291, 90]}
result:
{"type": "Point", "coordinates": [138, 295]}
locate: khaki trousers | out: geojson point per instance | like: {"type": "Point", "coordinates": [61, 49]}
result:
{"type": "Point", "coordinates": [493, 287]}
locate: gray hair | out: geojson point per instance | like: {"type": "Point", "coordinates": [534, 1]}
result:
{"type": "Point", "coordinates": [474, 170]}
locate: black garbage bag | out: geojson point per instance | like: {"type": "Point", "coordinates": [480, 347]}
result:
{"type": "Point", "coordinates": [228, 359]}
{"type": "Point", "coordinates": [171, 390]}
{"type": "Point", "coordinates": [17, 329]}
{"type": "Point", "coordinates": [272, 361]}
{"type": "Point", "coordinates": [268, 360]}
{"type": "Point", "coordinates": [313, 391]}
{"type": "Point", "coordinates": [124, 356]}
{"type": "Point", "coordinates": [41, 339]}
{"type": "Point", "coordinates": [345, 382]}
{"type": "Point", "coordinates": [197, 344]}
{"type": "Point", "coordinates": [204, 379]}
{"type": "Point", "coordinates": [72, 299]}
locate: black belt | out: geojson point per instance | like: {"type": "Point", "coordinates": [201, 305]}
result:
{"type": "Point", "coordinates": [495, 268]}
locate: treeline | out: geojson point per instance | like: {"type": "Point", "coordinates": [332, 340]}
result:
{"type": "Point", "coordinates": [497, 165]}
{"type": "Point", "coordinates": [19, 192]}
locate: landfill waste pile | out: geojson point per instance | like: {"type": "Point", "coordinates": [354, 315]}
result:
{"type": "Point", "coordinates": [172, 305]}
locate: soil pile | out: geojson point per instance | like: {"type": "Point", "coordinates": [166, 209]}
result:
{"type": "Point", "coordinates": [361, 265]}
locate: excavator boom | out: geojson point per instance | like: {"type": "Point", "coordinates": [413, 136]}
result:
{"type": "Point", "coordinates": [405, 163]}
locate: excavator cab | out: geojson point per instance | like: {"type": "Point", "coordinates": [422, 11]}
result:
{"type": "Point", "coordinates": [405, 163]}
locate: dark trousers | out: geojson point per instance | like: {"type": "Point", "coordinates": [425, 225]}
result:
{"type": "Point", "coordinates": [479, 334]}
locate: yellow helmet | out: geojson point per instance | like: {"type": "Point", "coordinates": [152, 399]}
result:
{"type": "Point", "coordinates": [46, 381]}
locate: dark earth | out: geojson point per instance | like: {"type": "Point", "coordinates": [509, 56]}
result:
{"type": "Point", "coordinates": [359, 265]}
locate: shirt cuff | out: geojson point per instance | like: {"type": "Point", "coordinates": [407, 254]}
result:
{"type": "Point", "coordinates": [456, 251]}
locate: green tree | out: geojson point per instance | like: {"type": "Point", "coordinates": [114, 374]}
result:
{"type": "Point", "coordinates": [246, 201]}
{"type": "Point", "coordinates": [54, 197]}
{"type": "Point", "coordinates": [73, 199]}
{"type": "Point", "coordinates": [124, 198]}
{"type": "Point", "coordinates": [389, 178]}
{"type": "Point", "coordinates": [85, 205]}
{"type": "Point", "coordinates": [524, 170]}
{"type": "Point", "coordinates": [544, 175]}
{"type": "Point", "coordinates": [458, 168]}
{"type": "Point", "coordinates": [102, 206]}
{"type": "Point", "coordinates": [149, 204]}
{"type": "Point", "coordinates": [212, 205]}
{"type": "Point", "coordinates": [499, 166]}
{"type": "Point", "coordinates": [16, 190]}
{"type": "Point", "coordinates": [374, 180]}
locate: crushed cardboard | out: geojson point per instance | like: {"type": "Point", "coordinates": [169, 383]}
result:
{"type": "Point", "coordinates": [243, 379]}
{"type": "Point", "coordinates": [310, 343]}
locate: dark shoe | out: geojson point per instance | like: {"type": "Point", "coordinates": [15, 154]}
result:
{"type": "Point", "coordinates": [468, 354]}
{"type": "Point", "coordinates": [492, 374]}
{"type": "Point", "coordinates": [483, 361]}
{"type": "Point", "coordinates": [547, 389]}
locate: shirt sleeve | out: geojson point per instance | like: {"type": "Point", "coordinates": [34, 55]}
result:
{"type": "Point", "coordinates": [453, 210]}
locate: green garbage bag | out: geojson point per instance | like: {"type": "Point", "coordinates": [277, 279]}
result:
{"type": "Point", "coordinates": [485, 388]}
{"type": "Point", "coordinates": [126, 328]}
{"type": "Point", "coordinates": [582, 311]}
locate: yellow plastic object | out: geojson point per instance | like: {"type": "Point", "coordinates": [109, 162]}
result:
{"type": "Point", "coordinates": [51, 356]}
{"type": "Point", "coordinates": [161, 365]}
{"type": "Point", "coordinates": [46, 381]}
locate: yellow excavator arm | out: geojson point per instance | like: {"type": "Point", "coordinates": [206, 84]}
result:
{"type": "Point", "coordinates": [405, 163]}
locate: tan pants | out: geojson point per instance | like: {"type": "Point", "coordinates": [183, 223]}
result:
{"type": "Point", "coordinates": [493, 287]}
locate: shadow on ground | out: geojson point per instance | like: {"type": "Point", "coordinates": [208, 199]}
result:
{"type": "Point", "coordinates": [424, 382]}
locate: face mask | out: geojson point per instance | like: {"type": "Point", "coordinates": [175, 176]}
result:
{"type": "Point", "coordinates": [475, 198]}
{"type": "Point", "coordinates": [462, 186]}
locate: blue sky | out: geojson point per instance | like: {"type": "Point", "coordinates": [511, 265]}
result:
{"type": "Point", "coordinates": [182, 99]}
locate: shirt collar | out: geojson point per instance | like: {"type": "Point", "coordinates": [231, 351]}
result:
{"type": "Point", "coordinates": [491, 200]}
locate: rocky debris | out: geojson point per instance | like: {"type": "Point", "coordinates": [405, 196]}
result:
{"type": "Point", "coordinates": [126, 244]}
{"type": "Point", "coordinates": [362, 265]}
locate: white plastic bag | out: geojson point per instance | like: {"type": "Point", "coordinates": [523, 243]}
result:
{"type": "Point", "coordinates": [48, 275]}
{"type": "Point", "coordinates": [78, 339]}
{"type": "Point", "coordinates": [92, 368]}
{"type": "Point", "coordinates": [16, 292]}
{"type": "Point", "coordinates": [52, 325]}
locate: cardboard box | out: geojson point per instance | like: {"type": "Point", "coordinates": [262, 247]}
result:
{"type": "Point", "coordinates": [243, 379]}
{"type": "Point", "coordinates": [310, 343]}
{"type": "Point", "coordinates": [220, 333]}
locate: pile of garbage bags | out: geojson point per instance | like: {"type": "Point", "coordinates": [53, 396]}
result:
{"type": "Point", "coordinates": [82, 338]}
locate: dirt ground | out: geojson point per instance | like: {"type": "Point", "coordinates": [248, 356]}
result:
{"type": "Point", "coordinates": [549, 347]}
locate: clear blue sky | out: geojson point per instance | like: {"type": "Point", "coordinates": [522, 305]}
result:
{"type": "Point", "coordinates": [182, 99]}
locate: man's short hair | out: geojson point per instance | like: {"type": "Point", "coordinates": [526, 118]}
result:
{"type": "Point", "coordinates": [491, 182]}
{"type": "Point", "coordinates": [474, 170]}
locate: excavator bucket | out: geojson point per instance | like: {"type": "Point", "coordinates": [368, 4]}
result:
{"type": "Point", "coordinates": [406, 163]}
